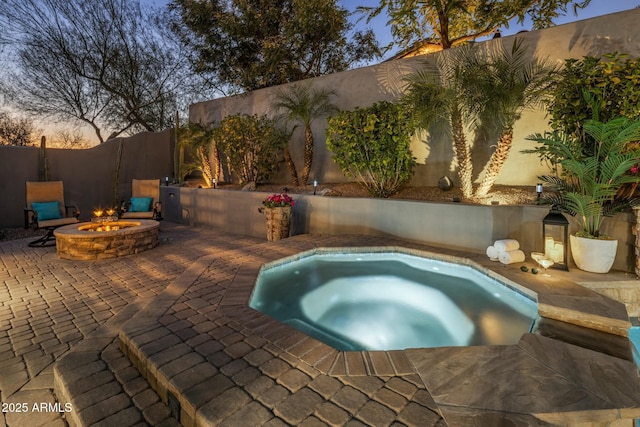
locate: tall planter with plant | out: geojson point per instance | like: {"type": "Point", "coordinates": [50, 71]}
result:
{"type": "Point", "coordinates": [277, 211]}
{"type": "Point", "coordinates": [588, 187]}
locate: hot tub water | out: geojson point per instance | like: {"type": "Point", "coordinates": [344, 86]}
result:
{"type": "Point", "coordinates": [392, 301]}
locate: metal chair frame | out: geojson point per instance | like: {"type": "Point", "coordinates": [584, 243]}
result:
{"type": "Point", "coordinates": [144, 188]}
{"type": "Point", "coordinates": [49, 191]}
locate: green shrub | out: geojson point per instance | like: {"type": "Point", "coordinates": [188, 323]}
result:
{"type": "Point", "coordinates": [595, 88]}
{"type": "Point", "coordinates": [372, 145]}
{"type": "Point", "coordinates": [252, 146]}
{"type": "Point", "coordinates": [591, 88]}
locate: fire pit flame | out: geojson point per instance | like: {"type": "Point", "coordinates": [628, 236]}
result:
{"type": "Point", "coordinates": [107, 226]}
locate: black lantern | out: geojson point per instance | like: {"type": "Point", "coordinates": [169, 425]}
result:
{"type": "Point", "coordinates": [555, 237]}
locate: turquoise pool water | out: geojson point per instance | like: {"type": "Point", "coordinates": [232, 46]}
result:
{"type": "Point", "coordinates": [392, 301]}
{"type": "Point", "coordinates": [634, 337]}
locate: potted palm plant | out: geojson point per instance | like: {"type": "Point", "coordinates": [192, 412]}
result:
{"type": "Point", "coordinates": [589, 186]}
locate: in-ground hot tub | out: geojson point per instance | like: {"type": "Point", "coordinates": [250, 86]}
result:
{"type": "Point", "coordinates": [372, 300]}
{"type": "Point", "coordinates": [90, 241]}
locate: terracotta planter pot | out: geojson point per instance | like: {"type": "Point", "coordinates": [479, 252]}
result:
{"type": "Point", "coordinates": [278, 222]}
{"type": "Point", "coordinates": [593, 255]}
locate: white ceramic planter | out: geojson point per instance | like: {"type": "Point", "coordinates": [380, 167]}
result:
{"type": "Point", "coordinates": [593, 255]}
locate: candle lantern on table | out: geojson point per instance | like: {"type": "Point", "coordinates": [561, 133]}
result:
{"type": "Point", "coordinates": [555, 237]}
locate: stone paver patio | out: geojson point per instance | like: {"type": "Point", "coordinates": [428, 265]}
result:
{"type": "Point", "coordinates": [166, 335]}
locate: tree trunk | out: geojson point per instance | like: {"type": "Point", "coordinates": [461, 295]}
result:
{"type": "Point", "coordinates": [207, 172]}
{"type": "Point", "coordinates": [463, 155]}
{"type": "Point", "coordinates": [291, 167]}
{"type": "Point", "coordinates": [496, 162]}
{"type": "Point", "coordinates": [308, 154]}
{"type": "Point", "coordinates": [217, 165]}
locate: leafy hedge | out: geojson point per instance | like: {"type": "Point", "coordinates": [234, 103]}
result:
{"type": "Point", "coordinates": [252, 146]}
{"type": "Point", "coordinates": [595, 88]}
{"type": "Point", "coordinates": [372, 145]}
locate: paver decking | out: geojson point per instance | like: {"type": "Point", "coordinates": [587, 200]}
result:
{"type": "Point", "coordinates": [166, 335]}
{"type": "Point", "coordinates": [48, 305]}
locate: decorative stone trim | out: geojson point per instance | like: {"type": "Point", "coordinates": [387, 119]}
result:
{"type": "Point", "coordinates": [76, 244]}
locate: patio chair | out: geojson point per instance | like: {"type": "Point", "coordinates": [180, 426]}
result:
{"type": "Point", "coordinates": [47, 210]}
{"type": "Point", "coordinates": [145, 200]}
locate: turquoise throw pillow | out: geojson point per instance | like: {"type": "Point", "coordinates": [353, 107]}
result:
{"type": "Point", "coordinates": [141, 204]}
{"type": "Point", "coordinates": [47, 210]}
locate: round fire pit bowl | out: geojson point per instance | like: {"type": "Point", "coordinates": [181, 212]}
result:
{"type": "Point", "coordinates": [90, 241]}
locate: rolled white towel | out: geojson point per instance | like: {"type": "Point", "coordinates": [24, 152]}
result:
{"type": "Point", "coordinates": [509, 257]}
{"type": "Point", "coordinates": [492, 253]}
{"type": "Point", "coordinates": [505, 245]}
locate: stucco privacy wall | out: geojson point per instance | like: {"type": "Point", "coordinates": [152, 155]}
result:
{"type": "Point", "coordinates": [364, 86]}
{"type": "Point", "coordinates": [88, 175]}
{"type": "Point", "coordinates": [450, 225]}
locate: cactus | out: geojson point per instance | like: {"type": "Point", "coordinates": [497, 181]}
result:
{"type": "Point", "coordinates": [43, 160]}
{"type": "Point", "coordinates": [116, 178]}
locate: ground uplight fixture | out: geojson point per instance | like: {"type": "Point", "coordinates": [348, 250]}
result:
{"type": "Point", "coordinates": [539, 189]}
{"type": "Point", "coordinates": [315, 186]}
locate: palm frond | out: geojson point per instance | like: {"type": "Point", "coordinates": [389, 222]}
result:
{"type": "Point", "coordinates": [589, 188]}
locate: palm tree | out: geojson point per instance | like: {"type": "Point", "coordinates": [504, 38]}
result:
{"type": "Point", "coordinates": [439, 94]}
{"type": "Point", "coordinates": [513, 82]}
{"type": "Point", "coordinates": [471, 88]}
{"type": "Point", "coordinates": [302, 103]}
{"type": "Point", "coordinates": [200, 142]}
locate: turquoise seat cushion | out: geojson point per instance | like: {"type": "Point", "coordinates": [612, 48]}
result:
{"type": "Point", "coordinates": [46, 210]}
{"type": "Point", "coordinates": [141, 204]}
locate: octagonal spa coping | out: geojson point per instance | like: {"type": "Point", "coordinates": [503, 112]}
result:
{"type": "Point", "coordinates": [78, 242]}
{"type": "Point", "coordinates": [542, 378]}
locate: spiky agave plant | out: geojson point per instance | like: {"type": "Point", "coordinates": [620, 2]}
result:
{"type": "Point", "coordinates": [588, 187]}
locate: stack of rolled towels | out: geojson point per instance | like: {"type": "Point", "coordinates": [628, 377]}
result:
{"type": "Point", "coordinates": [507, 251]}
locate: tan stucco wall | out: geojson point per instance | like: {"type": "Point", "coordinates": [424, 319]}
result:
{"type": "Point", "coordinates": [364, 86]}
{"type": "Point", "coordinates": [88, 175]}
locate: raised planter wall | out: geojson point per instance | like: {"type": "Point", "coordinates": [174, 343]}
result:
{"type": "Point", "coordinates": [451, 225]}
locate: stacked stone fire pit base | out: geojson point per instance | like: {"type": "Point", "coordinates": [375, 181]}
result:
{"type": "Point", "coordinates": [82, 242]}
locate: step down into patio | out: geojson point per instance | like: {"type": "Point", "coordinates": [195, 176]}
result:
{"type": "Point", "coordinates": [102, 385]}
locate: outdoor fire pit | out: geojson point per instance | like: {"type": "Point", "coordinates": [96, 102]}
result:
{"type": "Point", "coordinates": [90, 241]}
